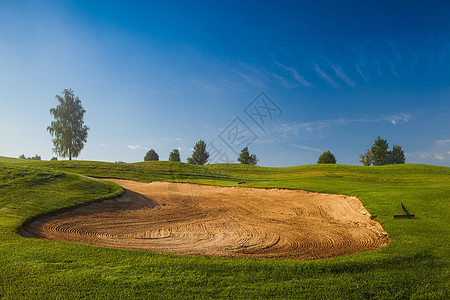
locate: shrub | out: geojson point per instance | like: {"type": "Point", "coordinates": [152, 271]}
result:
{"type": "Point", "coordinates": [326, 158]}
{"type": "Point", "coordinates": [366, 158]}
{"type": "Point", "coordinates": [151, 155]}
{"type": "Point", "coordinates": [36, 157]}
{"type": "Point", "coordinates": [396, 156]}
{"type": "Point", "coordinates": [246, 158]}
{"type": "Point", "coordinates": [174, 155]}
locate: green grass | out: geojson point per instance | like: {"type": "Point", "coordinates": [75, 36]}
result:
{"type": "Point", "coordinates": [414, 265]}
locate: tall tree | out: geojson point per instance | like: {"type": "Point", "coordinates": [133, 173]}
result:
{"type": "Point", "coordinates": [396, 156]}
{"type": "Point", "coordinates": [326, 158]}
{"type": "Point", "coordinates": [151, 155]}
{"type": "Point", "coordinates": [68, 129]}
{"type": "Point", "coordinates": [380, 152]}
{"type": "Point", "coordinates": [199, 155]}
{"type": "Point", "coordinates": [174, 155]}
{"type": "Point", "coordinates": [246, 158]}
{"type": "Point", "coordinates": [366, 158]}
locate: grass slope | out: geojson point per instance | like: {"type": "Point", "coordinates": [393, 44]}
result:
{"type": "Point", "coordinates": [414, 265]}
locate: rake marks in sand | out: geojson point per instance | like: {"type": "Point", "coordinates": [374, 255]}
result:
{"type": "Point", "coordinates": [190, 219]}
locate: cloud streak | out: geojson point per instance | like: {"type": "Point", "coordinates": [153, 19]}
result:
{"type": "Point", "coordinates": [250, 79]}
{"type": "Point", "coordinates": [303, 147]}
{"type": "Point", "coordinates": [134, 147]}
{"type": "Point", "coordinates": [442, 142]}
{"type": "Point", "coordinates": [299, 78]}
{"type": "Point", "coordinates": [395, 119]}
{"type": "Point", "coordinates": [358, 68]}
{"type": "Point", "coordinates": [315, 126]}
{"type": "Point", "coordinates": [325, 76]}
{"type": "Point", "coordinates": [340, 73]}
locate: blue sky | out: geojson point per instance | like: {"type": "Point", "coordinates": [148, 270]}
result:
{"type": "Point", "coordinates": [163, 75]}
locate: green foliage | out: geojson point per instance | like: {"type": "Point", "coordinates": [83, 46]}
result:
{"type": "Point", "coordinates": [199, 155]}
{"type": "Point", "coordinates": [326, 158]}
{"type": "Point", "coordinates": [174, 155]}
{"type": "Point", "coordinates": [366, 158]}
{"type": "Point", "coordinates": [54, 158]}
{"type": "Point", "coordinates": [151, 156]}
{"type": "Point", "coordinates": [246, 158]}
{"type": "Point", "coordinates": [36, 157]}
{"type": "Point", "coordinates": [413, 266]}
{"type": "Point", "coordinates": [379, 152]}
{"type": "Point", "coordinates": [396, 156]}
{"type": "Point", "coordinates": [68, 130]}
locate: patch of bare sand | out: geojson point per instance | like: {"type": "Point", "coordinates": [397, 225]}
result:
{"type": "Point", "coordinates": [192, 219]}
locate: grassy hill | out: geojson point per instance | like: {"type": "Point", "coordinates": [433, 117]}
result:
{"type": "Point", "coordinates": [414, 265]}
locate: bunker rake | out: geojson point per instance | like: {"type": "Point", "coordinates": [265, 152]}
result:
{"type": "Point", "coordinates": [403, 215]}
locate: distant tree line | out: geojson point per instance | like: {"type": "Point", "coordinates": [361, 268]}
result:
{"type": "Point", "coordinates": [36, 157]}
{"type": "Point", "coordinates": [200, 155]}
{"type": "Point", "coordinates": [377, 155]}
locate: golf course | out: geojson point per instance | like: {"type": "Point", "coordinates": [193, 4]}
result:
{"type": "Point", "coordinates": [409, 258]}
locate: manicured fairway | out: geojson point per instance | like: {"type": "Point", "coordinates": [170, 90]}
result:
{"type": "Point", "coordinates": [414, 265]}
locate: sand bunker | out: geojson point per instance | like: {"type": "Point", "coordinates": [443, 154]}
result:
{"type": "Point", "coordinates": [194, 219]}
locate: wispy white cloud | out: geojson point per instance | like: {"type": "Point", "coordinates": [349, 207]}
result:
{"type": "Point", "coordinates": [231, 85]}
{"type": "Point", "coordinates": [284, 81]}
{"type": "Point", "coordinates": [205, 85]}
{"type": "Point", "coordinates": [265, 141]}
{"type": "Point", "coordinates": [250, 79]}
{"type": "Point", "coordinates": [134, 147]}
{"type": "Point", "coordinates": [309, 127]}
{"type": "Point", "coordinates": [394, 71]}
{"type": "Point", "coordinates": [378, 68]}
{"type": "Point", "coordinates": [325, 76]}
{"type": "Point", "coordinates": [424, 155]}
{"type": "Point", "coordinates": [395, 119]}
{"type": "Point", "coordinates": [299, 78]}
{"type": "Point", "coordinates": [295, 128]}
{"type": "Point", "coordinates": [442, 142]}
{"type": "Point", "coordinates": [134, 89]}
{"type": "Point", "coordinates": [178, 139]}
{"type": "Point", "coordinates": [358, 68]}
{"type": "Point", "coordinates": [340, 73]}
{"type": "Point", "coordinates": [303, 147]}
{"type": "Point", "coordinates": [253, 75]}
{"type": "Point", "coordinates": [176, 89]}
{"type": "Point", "coordinates": [439, 150]}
